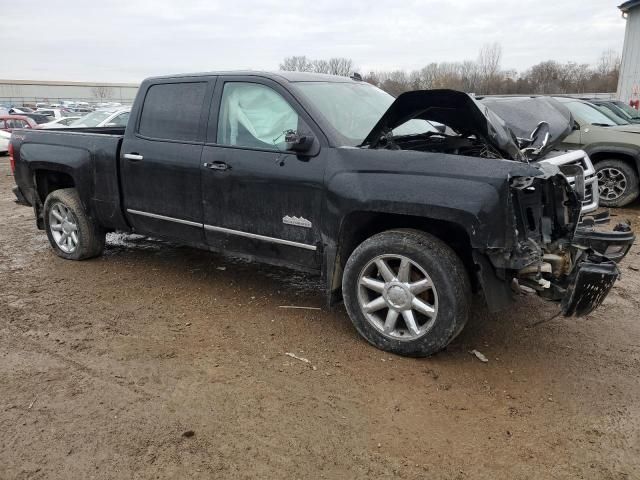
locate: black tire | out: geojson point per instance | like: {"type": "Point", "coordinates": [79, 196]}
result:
{"type": "Point", "coordinates": [447, 274]}
{"type": "Point", "coordinates": [90, 236]}
{"type": "Point", "coordinates": [632, 189]}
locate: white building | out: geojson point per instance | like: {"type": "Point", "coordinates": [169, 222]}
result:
{"type": "Point", "coordinates": [629, 81]}
{"type": "Point", "coordinates": [18, 92]}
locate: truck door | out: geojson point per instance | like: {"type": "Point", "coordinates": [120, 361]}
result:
{"type": "Point", "coordinates": [258, 199]}
{"type": "Point", "coordinates": [160, 159]}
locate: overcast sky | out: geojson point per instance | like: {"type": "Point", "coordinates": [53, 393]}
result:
{"type": "Point", "coordinates": [127, 40]}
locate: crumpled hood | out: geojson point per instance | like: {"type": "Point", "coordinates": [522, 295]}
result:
{"type": "Point", "coordinates": [523, 114]}
{"type": "Point", "coordinates": [452, 108]}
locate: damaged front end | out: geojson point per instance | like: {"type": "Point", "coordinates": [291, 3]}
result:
{"type": "Point", "coordinates": [555, 253]}
{"type": "Point", "coordinates": [553, 246]}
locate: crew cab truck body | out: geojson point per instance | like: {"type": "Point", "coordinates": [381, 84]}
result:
{"type": "Point", "coordinates": [403, 223]}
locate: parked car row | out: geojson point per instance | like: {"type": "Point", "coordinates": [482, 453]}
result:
{"type": "Point", "coordinates": [108, 117]}
{"type": "Point", "coordinates": [56, 110]}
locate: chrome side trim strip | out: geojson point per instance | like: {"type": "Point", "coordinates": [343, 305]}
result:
{"type": "Point", "coordinates": [162, 217]}
{"type": "Point", "coordinates": [224, 230]}
{"type": "Point", "coordinates": [260, 237]}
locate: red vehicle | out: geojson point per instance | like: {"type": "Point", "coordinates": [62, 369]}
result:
{"type": "Point", "coordinates": [11, 122]}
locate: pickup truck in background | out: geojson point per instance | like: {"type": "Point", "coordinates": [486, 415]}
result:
{"type": "Point", "coordinates": [404, 206]}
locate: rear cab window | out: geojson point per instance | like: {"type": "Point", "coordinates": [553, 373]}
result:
{"type": "Point", "coordinates": [172, 111]}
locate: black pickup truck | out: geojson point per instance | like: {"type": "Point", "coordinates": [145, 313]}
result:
{"type": "Point", "coordinates": [405, 206]}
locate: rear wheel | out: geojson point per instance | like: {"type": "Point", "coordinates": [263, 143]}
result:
{"type": "Point", "coordinates": [72, 234]}
{"type": "Point", "coordinates": [617, 183]}
{"type": "Point", "coordinates": [406, 292]}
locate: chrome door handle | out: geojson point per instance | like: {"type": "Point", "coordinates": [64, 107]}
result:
{"type": "Point", "coordinates": [217, 166]}
{"type": "Point", "coordinates": [133, 156]}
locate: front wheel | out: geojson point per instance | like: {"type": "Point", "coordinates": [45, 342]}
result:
{"type": "Point", "coordinates": [617, 183]}
{"type": "Point", "coordinates": [72, 234]}
{"type": "Point", "coordinates": [406, 292]}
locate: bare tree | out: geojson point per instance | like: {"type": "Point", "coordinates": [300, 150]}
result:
{"type": "Point", "coordinates": [340, 66]}
{"type": "Point", "coordinates": [335, 66]}
{"type": "Point", "coordinates": [102, 92]}
{"type": "Point", "coordinates": [483, 76]}
{"type": "Point", "coordinates": [489, 66]}
{"type": "Point", "coordinates": [297, 64]}
{"type": "Point", "coordinates": [608, 62]}
{"type": "Point", "coordinates": [321, 66]}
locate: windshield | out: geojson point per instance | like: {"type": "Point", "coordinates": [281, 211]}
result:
{"type": "Point", "coordinates": [91, 120]}
{"type": "Point", "coordinates": [353, 109]}
{"type": "Point", "coordinates": [589, 114]}
{"type": "Point", "coordinates": [632, 112]}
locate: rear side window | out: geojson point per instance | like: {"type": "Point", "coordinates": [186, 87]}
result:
{"type": "Point", "coordinates": [172, 111]}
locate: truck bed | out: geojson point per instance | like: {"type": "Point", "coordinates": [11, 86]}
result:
{"type": "Point", "coordinates": [84, 154]}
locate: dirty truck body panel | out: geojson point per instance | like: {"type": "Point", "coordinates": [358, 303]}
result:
{"type": "Point", "coordinates": [206, 185]}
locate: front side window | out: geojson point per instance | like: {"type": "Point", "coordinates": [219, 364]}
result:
{"type": "Point", "coordinates": [255, 116]}
{"type": "Point", "coordinates": [171, 111]}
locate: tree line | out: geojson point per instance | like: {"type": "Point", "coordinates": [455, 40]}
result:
{"type": "Point", "coordinates": [483, 76]}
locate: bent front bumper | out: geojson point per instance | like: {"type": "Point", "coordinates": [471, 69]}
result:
{"type": "Point", "coordinates": [592, 278]}
{"type": "Point", "coordinates": [589, 285]}
{"type": "Point", "coordinates": [581, 277]}
{"type": "Point", "coordinates": [612, 244]}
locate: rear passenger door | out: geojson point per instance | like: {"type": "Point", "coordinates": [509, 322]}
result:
{"type": "Point", "coordinates": [160, 160]}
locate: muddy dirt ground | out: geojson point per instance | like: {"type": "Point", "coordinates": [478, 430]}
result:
{"type": "Point", "coordinates": [159, 361]}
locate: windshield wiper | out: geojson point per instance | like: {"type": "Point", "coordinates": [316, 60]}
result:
{"type": "Point", "coordinates": [602, 125]}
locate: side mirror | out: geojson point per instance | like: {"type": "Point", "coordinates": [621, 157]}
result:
{"type": "Point", "coordinates": [300, 143]}
{"type": "Point", "coordinates": [576, 126]}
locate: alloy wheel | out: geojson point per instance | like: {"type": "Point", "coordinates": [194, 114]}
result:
{"type": "Point", "coordinates": [612, 183]}
{"type": "Point", "coordinates": [64, 227]}
{"type": "Point", "coordinates": [397, 297]}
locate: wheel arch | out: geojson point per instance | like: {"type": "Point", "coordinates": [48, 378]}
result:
{"type": "Point", "coordinates": [357, 226]}
{"type": "Point", "coordinates": [627, 159]}
{"type": "Point", "coordinates": [45, 181]}
{"type": "Point", "coordinates": [627, 155]}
